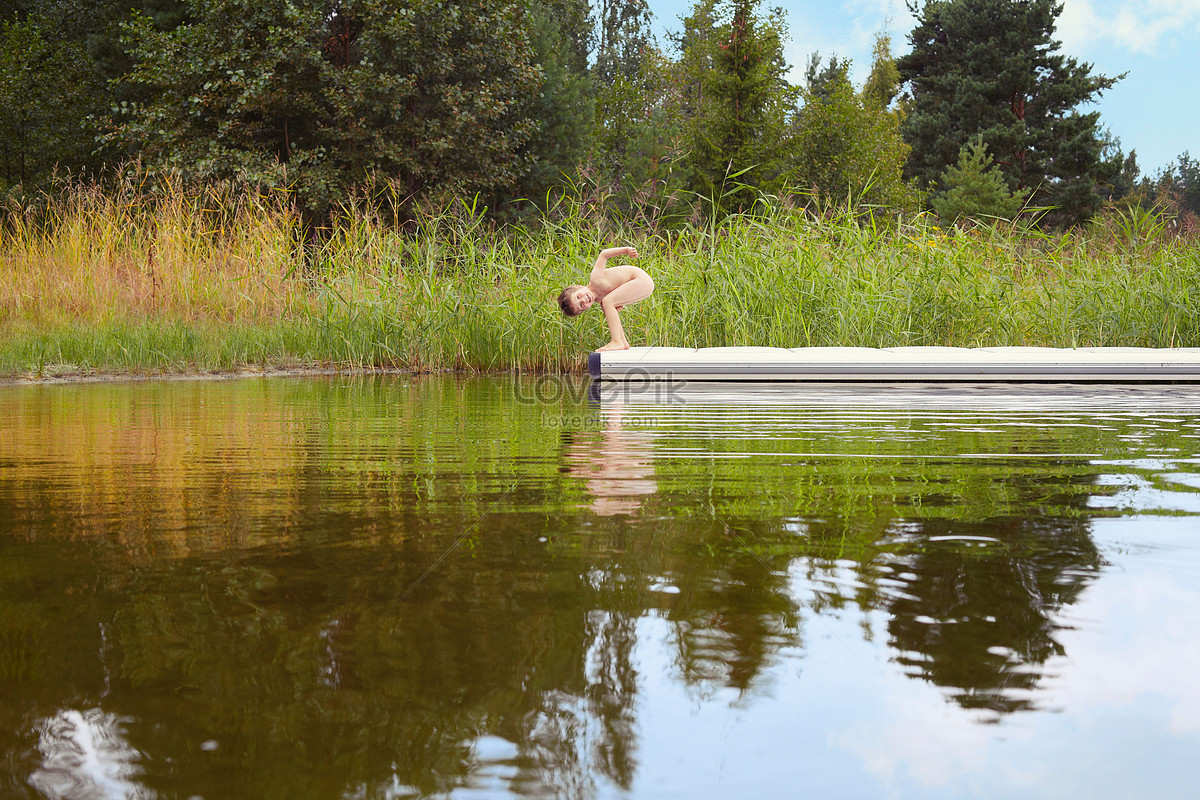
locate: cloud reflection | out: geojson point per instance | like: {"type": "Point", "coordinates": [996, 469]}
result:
{"type": "Point", "coordinates": [85, 757]}
{"type": "Point", "coordinates": [1126, 683]}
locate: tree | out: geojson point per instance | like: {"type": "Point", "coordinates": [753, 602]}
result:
{"type": "Point", "coordinates": [1119, 173]}
{"type": "Point", "coordinates": [51, 92]}
{"type": "Point", "coordinates": [737, 96]}
{"type": "Point", "coordinates": [564, 107]}
{"type": "Point", "coordinates": [319, 97]}
{"type": "Point", "coordinates": [624, 37]}
{"type": "Point", "coordinates": [1186, 174]}
{"type": "Point", "coordinates": [632, 131]}
{"type": "Point", "coordinates": [883, 84]}
{"type": "Point", "coordinates": [991, 68]}
{"type": "Point", "coordinates": [819, 81]}
{"type": "Point", "coordinates": [845, 147]}
{"type": "Point", "coordinates": [974, 188]}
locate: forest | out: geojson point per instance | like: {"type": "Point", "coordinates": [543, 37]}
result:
{"type": "Point", "coordinates": [517, 102]}
{"type": "Point", "coordinates": [206, 184]}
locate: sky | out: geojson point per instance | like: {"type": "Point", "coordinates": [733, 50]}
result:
{"type": "Point", "coordinates": [1155, 110]}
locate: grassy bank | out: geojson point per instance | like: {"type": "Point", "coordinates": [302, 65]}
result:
{"type": "Point", "coordinates": [193, 282]}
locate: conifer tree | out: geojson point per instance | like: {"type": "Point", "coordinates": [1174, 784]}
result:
{"type": "Point", "coordinates": [738, 96]}
{"type": "Point", "coordinates": [991, 68]}
{"type": "Point", "coordinates": [974, 188]}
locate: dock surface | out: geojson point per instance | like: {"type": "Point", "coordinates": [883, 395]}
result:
{"type": "Point", "coordinates": [891, 364]}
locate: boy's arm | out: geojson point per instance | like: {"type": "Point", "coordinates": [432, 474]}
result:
{"type": "Point", "coordinates": [605, 255]}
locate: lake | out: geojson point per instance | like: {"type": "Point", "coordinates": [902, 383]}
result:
{"type": "Point", "coordinates": [486, 587]}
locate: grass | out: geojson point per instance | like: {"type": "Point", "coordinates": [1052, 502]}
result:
{"type": "Point", "coordinates": [186, 281]}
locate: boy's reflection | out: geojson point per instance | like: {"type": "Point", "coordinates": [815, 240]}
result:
{"type": "Point", "coordinates": [619, 468]}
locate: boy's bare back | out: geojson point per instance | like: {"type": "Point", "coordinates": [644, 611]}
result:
{"type": "Point", "coordinates": [613, 277]}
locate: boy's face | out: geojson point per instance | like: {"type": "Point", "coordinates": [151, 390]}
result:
{"type": "Point", "coordinates": [582, 299]}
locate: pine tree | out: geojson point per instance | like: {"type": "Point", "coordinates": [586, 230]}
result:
{"type": "Point", "coordinates": [738, 97]}
{"type": "Point", "coordinates": [991, 68]}
{"type": "Point", "coordinates": [974, 188]}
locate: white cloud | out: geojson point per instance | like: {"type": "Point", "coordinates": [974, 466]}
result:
{"type": "Point", "coordinates": [1140, 27]}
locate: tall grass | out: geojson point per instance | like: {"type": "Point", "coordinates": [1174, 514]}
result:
{"type": "Point", "coordinates": [194, 280]}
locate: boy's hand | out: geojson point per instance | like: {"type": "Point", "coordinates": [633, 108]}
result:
{"type": "Point", "coordinates": [620, 251]}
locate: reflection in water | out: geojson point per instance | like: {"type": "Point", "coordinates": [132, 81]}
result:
{"type": "Point", "coordinates": [85, 757]}
{"type": "Point", "coordinates": [979, 609]}
{"type": "Point", "coordinates": [391, 588]}
{"type": "Point", "coordinates": [731, 625]}
{"type": "Point", "coordinates": [617, 465]}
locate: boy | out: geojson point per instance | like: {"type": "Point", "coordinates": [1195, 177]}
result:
{"type": "Point", "coordinates": [614, 288]}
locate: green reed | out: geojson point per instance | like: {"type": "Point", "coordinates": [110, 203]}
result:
{"type": "Point", "coordinates": [192, 281]}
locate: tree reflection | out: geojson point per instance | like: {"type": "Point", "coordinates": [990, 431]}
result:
{"type": "Point", "coordinates": [980, 605]}
{"type": "Point", "coordinates": [733, 617]}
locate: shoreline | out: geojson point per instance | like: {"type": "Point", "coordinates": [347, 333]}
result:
{"type": "Point", "coordinates": [146, 292]}
{"type": "Point", "coordinates": [56, 378]}
{"type": "Point", "coordinates": [74, 376]}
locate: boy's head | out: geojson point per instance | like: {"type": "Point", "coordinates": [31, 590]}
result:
{"type": "Point", "coordinates": [574, 300]}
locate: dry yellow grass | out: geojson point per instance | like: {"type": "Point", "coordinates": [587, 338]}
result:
{"type": "Point", "coordinates": [181, 256]}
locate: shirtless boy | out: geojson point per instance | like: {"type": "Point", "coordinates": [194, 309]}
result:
{"type": "Point", "coordinates": [614, 288]}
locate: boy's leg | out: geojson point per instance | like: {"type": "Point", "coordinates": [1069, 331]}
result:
{"type": "Point", "coordinates": [616, 333]}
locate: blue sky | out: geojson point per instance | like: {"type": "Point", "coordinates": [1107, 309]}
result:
{"type": "Point", "coordinates": [1155, 110]}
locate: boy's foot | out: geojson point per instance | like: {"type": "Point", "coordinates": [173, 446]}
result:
{"type": "Point", "coordinates": [612, 346]}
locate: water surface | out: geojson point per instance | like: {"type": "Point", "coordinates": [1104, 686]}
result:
{"type": "Point", "coordinates": [386, 587]}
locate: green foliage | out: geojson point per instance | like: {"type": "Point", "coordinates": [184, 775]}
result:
{"type": "Point", "coordinates": [736, 98]}
{"type": "Point", "coordinates": [638, 121]}
{"type": "Point", "coordinates": [333, 99]}
{"type": "Point", "coordinates": [1172, 195]}
{"type": "Point", "coordinates": [991, 68]}
{"type": "Point", "coordinates": [1185, 174]}
{"type": "Point", "coordinates": [624, 37]}
{"type": "Point", "coordinates": [319, 101]}
{"type": "Point", "coordinates": [845, 148]}
{"type": "Point", "coordinates": [974, 188]}
{"type": "Point", "coordinates": [819, 81]}
{"type": "Point", "coordinates": [50, 92]}
{"type": "Point", "coordinates": [564, 107]}
{"type": "Point", "coordinates": [1119, 172]}
{"type": "Point", "coordinates": [162, 284]}
{"type": "Point", "coordinates": [642, 141]}
{"type": "Point", "coordinates": [883, 84]}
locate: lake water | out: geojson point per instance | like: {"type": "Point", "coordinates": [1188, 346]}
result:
{"type": "Point", "coordinates": [390, 587]}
